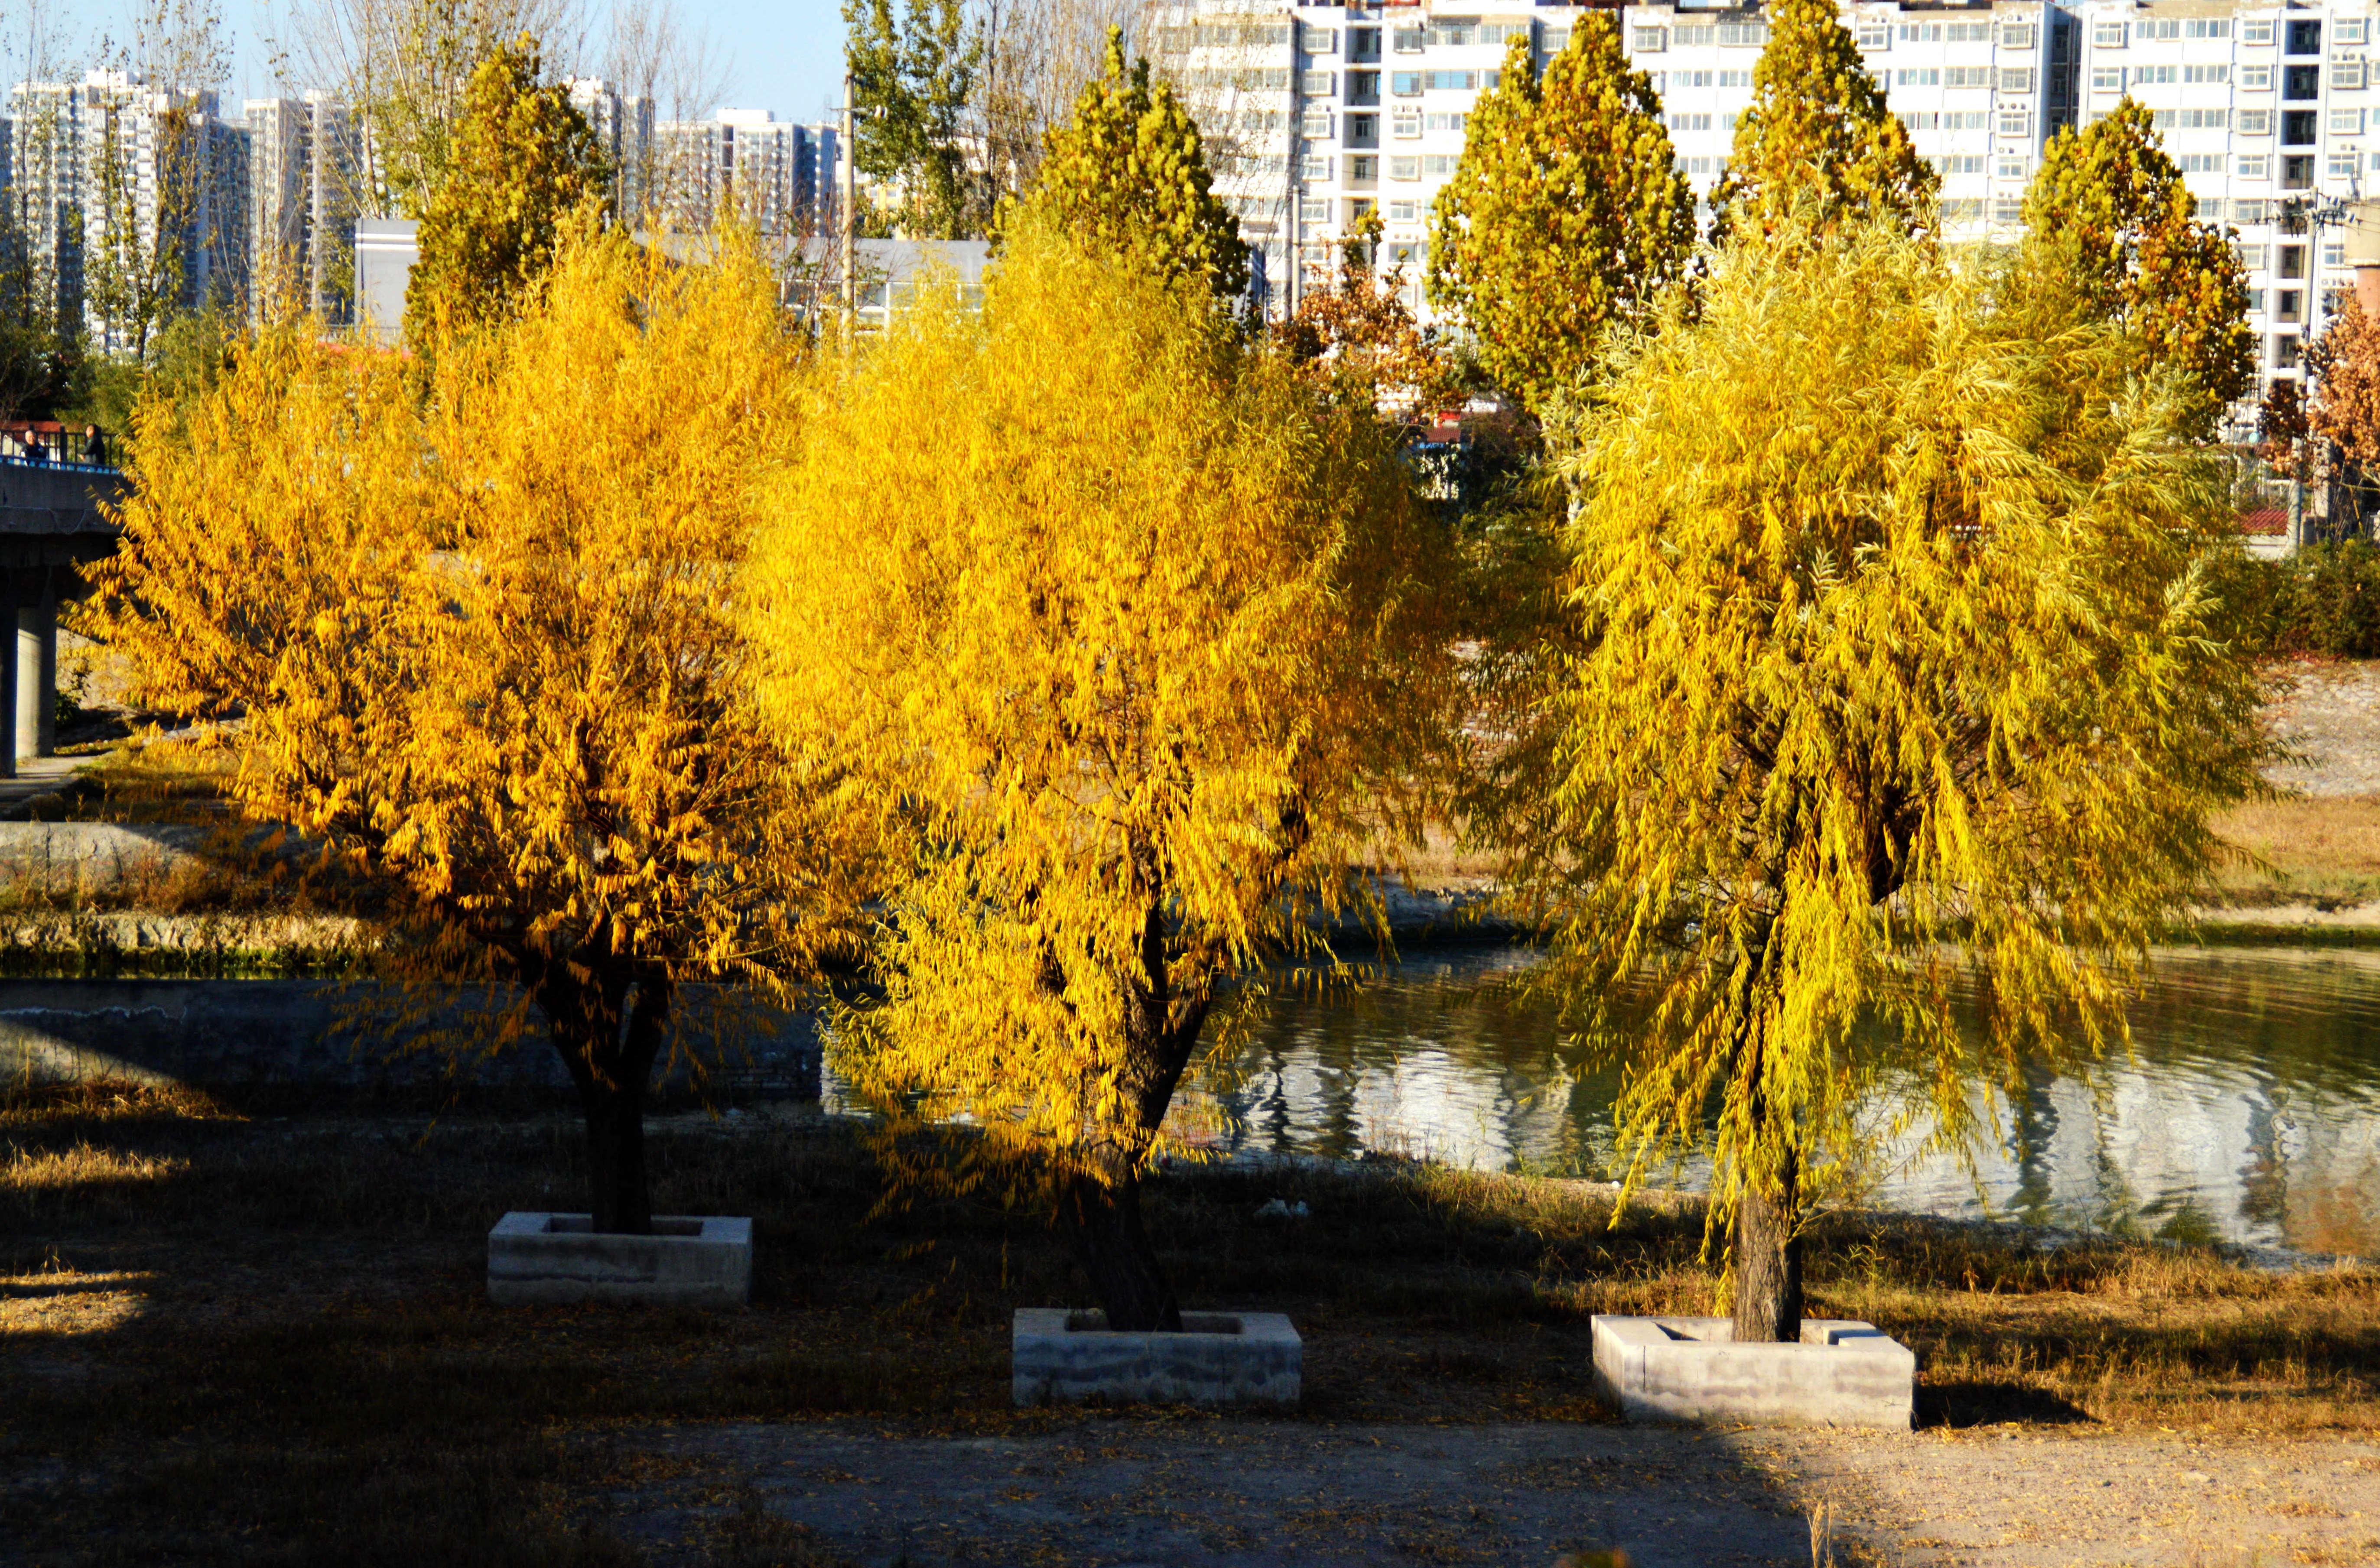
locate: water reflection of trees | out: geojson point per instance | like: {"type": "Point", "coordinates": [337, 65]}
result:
{"type": "Point", "coordinates": [2250, 1105]}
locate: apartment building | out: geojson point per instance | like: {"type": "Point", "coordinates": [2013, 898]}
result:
{"type": "Point", "coordinates": [779, 176]}
{"type": "Point", "coordinates": [1321, 114]}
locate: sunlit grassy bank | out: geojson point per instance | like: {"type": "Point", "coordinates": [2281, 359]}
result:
{"type": "Point", "coordinates": [262, 1340]}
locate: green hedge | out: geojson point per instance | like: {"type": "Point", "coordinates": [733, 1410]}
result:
{"type": "Point", "coordinates": [2324, 599]}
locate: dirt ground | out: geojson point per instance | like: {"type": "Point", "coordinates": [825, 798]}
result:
{"type": "Point", "coordinates": [2330, 717]}
{"type": "Point", "coordinates": [1198, 1493]}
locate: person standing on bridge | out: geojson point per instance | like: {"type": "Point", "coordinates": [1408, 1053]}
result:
{"type": "Point", "coordinates": [95, 447]}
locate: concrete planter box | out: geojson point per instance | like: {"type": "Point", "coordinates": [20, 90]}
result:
{"type": "Point", "coordinates": [687, 1261]}
{"type": "Point", "coordinates": [1689, 1371]}
{"type": "Point", "coordinates": [1061, 1357]}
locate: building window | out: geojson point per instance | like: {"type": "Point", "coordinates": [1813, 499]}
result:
{"type": "Point", "coordinates": [1968, 32]}
{"type": "Point", "coordinates": [2015, 78]}
{"type": "Point", "coordinates": [2257, 167]}
{"type": "Point", "coordinates": [2012, 169]}
{"type": "Point", "coordinates": [2256, 122]}
{"type": "Point", "coordinates": [1318, 84]}
{"type": "Point", "coordinates": [2210, 208]}
{"type": "Point", "coordinates": [2286, 305]}
{"type": "Point", "coordinates": [2297, 127]}
{"type": "Point", "coordinates": [2106, 35]}
{"type": "Point", "coordinates": [2297, 172]}
{"type": "Point", "coordinates": [1363, 130]}
{"type": "Point", "coordinates": [2253, 257]}
{"type": "Point", "coordinates": [1648, 40]}
{"type": "Point", "coordinates": [1735, 78]}
{"type": "Point", "coordinates": [2251, 213]}
{"type": "Point", "coordinates": [1960, 164]}
{"type": "Point", "coordinates": [2300, 84]}
{"type": "Point", "coordinates": [1315, 123]}
{"type": "Point", "coordinates": [1314, 167]}
{"type": "Point", "coordinates": [1556, 40]}
{"type": "Point", "coordinates": [2016, 122]}
{"type": "Point", "coordinates": [2284, 353]}
{"type": "Point", "coordinates": [1407, 39]}
{"type": "Point", "coordinates": [1405, 84]}
{"type": "Point", "coordinates": [2346, 75]}
{"type": "Point", "coordinates": [1405, 168]}
{"type": "Point", "coordinates": [1404, 211]}
{"type": "Point", "coordinates": [2256, 300]}
{"type": "Point", "coordinates": [1363, 44]}
{"type": "Point", "coordinates": [2304, 38]}
{"type": "Point", "coordinates": [1920, 32]}
{"type": "Point", "coordinates": [1440, 166]}
{"type": "Point", "coordinates": [1453, 81]}
{"type": "Point", "coordinates": [1445, 122]}
{"type": "Point", "coordinates": [2157, 31]}
{"type": "Point", "coordinates": [2255, 79]}
{"type": "Point", "coordinates": [1929, 76]}
{"type": "Point", "coordinates": [2106, 78]}
{"type": "Point", "coordinates": [2341, 165]}
{"type": "Point", "coordinates": [2256, 31]}
{"type": "Point", "coordinates": [1742, 35]}
{"type": "Point", "coordinates": [1966, 210]}
{"type": "Point", "coordinates": [2189, 120]}
{"type": "Point", "coordinates": [2008, 211]}
{"type": "Point", "coordinates": [1685, 80]}
{"type": "Point", "coordinates": [1690, 122]}
{"type": "Point", "coordinates": [1697, 35]}
{"type": "Point", "coordinates": [2205, 27]}
{"type": "Point", "coordinates": [1967, 76]}
{"type": "Point", "coordinates": [1362, 170]}
{"type": "Point", "coordinates": [1455, 32]}
{"type": "Point", "coordinates": [1363, 87]}
{"type": "Point", "coordinates": [2199, 163]}
{"type": "Point", "coordinates": [1405, 122]}
{"type": "Point", "coordinates": [1313, 209]}
{"type": "Point", "coordinates": [2292, 262]}
{"type": "Point", "coordinates": [2205, 74]}
{"type": "Point", "coordinates": [2017, 37]}
{"type": "Point", "coordinates": [1315, 40]}
{"type": "Point", "coordinates": [1873, 37]}
{"type": "Point", "coordinates": [2334, 254]}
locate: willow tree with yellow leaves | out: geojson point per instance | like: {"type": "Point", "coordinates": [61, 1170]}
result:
{"type": "Point", "coordinates": [485, 656]}
{"type": "Point", "coordinates": [1818, 137]}
{"type": "Point", "coordinates": [2109, 220]}
{"type": "Point", "coordinates": [1897, 656]}
{"type": "Point", "coordinates": [1130, 628]}
{"type": "Point", "coordinates": [1127, 176]}
{"type": "Point", "coordinates": [1567, 215]}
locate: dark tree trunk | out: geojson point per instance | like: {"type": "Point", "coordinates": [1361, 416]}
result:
{"type": "Point", "coordinates": [1769, 1261]}
{"type": "Point", "coordinates": [609, 1043]}
{"type": "Point", "coordinates": [1103, 1219]}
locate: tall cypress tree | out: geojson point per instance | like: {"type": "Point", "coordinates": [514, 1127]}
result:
{"type": "Point", "coordinates": [1818, 132]}
{"type": "Point", "coordinates": [2108, 220]}
{"type": "Point", "coordinates": [1127, 175]}
{"type": "Point", "coordinates": [1567, 214]}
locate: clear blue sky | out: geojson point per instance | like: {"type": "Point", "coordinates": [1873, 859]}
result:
{"type": "Point", "coordinates": [779, 54]}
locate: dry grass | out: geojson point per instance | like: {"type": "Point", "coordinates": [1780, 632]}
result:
{"type": "Point", "coordinates": [306, 1292]}
{"type": "Point", "coordinates": [2326, 850]}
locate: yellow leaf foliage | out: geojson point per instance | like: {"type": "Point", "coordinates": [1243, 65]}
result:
{"type": "Point", "coordinates": [486, 652]}
{"type": "Point", "coordinates": [1126, 627]}
{"type": "Point", "coordinates": [1897, 655]}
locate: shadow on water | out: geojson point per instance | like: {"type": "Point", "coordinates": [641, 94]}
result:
{"type": "Point", "coordinates": [2248, 1111]}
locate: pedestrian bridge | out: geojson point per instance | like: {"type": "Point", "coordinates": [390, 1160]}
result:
{"type": "Point", "coordinates": [51, 526]}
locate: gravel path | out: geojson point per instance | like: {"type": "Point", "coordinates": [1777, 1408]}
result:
{"type": "Point", "coordinates": [1138, 1492]}
{"type": "Point", "coordinates": [2331, 719]}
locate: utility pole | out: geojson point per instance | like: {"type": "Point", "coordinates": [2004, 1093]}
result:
{"type": "Point", "coordinates": [850, 210]}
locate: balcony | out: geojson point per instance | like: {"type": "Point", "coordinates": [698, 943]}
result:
{"type": "Point", "coordinates": [1362, 88]}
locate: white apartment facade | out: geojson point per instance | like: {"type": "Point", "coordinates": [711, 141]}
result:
{"type": "Point", "coordinates": [1320, 113]}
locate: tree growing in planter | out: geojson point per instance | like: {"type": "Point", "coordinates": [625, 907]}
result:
{"type": "Point", "coordinates": [1817, 140]}
{"type": "Point", "coordinates": [1566, 214]}
{"type": "Point", "coordinates": [1128, 629]}
{"type": "Point", "coordinates": [1898, 656]}
{"type": "Point", "coordinates": [485, 653]}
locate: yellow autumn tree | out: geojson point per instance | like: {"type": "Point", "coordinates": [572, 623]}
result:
{"type": "Point", "coordinates": [485, 654]}
{"type": "Point", "coordinates": [1128, 629]}
{"type": "Point", "coordinates": [1896, 657]}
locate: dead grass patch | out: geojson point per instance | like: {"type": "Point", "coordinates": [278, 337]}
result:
{"type": "Point", "coordinates": [2322, 849]}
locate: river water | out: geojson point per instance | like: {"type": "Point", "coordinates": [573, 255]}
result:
{"type": "Point", "coordinates": [2249, 1111]}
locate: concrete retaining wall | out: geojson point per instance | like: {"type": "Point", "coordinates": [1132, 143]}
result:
{"type": "Point", "coordinates": [251, 1034]}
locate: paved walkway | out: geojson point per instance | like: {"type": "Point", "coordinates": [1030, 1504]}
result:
{"type": "Point", "coordinates": [1193, 1492]}
{"type": "Point", "coordinates": [36, 776]}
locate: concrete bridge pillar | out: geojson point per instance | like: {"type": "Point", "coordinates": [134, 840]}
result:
{"type": "Point", "coordinates": [37, 674]}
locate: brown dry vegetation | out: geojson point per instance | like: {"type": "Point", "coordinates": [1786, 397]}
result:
{"type": "Point", "coordinates": [240, 1338]}
{"type": "Point", "coordinates": [2324, 849]}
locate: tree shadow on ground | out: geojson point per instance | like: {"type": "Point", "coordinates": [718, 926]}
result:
{"type": "Point", "coordinates": [1989, 1405]}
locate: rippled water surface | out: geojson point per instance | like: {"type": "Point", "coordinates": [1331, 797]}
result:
{"type": "Point", "coordinates": [2252, 1111]}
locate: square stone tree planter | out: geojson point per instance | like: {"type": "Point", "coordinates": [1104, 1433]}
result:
{"type": "Point", "coordinates": [1690, 1370]}
{"type": "Point", "coordinates": [1063, 1358]}
{"type": "Point", "coordinates": [687, 1261]}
